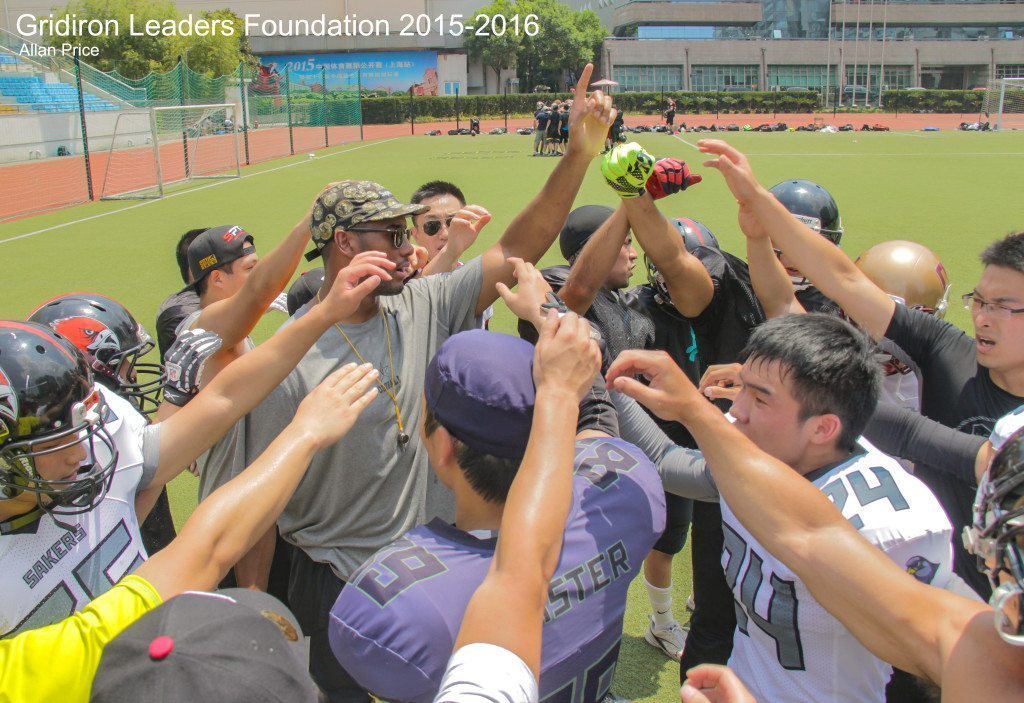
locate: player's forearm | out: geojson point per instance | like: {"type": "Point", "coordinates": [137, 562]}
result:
{"type": "Point", "coordinates": [538, 502]}
{"type": "Point", "coordinates": [236, 391]}
{"type": "Point", "coordinates": [590, 270]}
{"type": "Point", "coordinates": [768, 277]}
{"type": "Point", "coordinates": [688, 281]}
{"type": "Point", "coordinates": [252, 570]}
{"type": "Point", "coordinates": [532, 231]}
{"type": "Point", "coordinates": [229, 522]}
{"type": "Point", "coordinates": [825, 265]}
{"type": "Point", "coordinates": [444, 261]}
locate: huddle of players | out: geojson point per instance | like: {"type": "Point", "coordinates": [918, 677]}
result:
{"type": "Point", "coordinates": [551, 128]}
{"type": "Point", "coordinates": [816, 364]}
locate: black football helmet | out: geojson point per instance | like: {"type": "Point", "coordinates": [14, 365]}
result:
{"type": "Point", "coordinates": [112, 342]}
{"type": "Point", "coordinates": [695, 234]}
{"type": "Point", "coordinates": [997, 536]}
{"type": "Point", "coordinates": [812, 205]}
{"type": "Point", "coordinates": [46, 396]}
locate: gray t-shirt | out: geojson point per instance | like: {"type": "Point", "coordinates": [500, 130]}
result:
{"type": "Point", "coordinates": [364, 492]}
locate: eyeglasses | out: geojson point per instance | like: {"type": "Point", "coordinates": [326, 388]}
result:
{"type": "Point", "coordinates": [399, 233]}
{"type": "Point", "coordinates": [975, 303]}
{"type": "Point", "coordinates": [432, 227]}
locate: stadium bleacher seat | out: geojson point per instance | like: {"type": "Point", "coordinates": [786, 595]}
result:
{"type": "Point", "coordinates": [48, 97]}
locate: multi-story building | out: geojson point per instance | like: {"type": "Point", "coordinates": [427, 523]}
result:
{"type": "Point", "coordinates": [843, 47]}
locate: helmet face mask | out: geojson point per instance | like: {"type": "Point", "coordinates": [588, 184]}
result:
{"type": "Point", "coordinates": [996, 537]}
{"type": "Point", "coordinates": [815, 207]}
{"type": "Point", "coordinates": [112, 342]}
{"type": "Point", "coordinates": [48, 407]}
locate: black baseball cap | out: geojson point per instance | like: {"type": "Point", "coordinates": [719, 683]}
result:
{"type": "Point", "coordinates": [480, 388]}
{"type": "Point", "coordinates": [216, 247]}
{"type": "Point", "coordinates": [580, 226]}
{"type": "Point", "coordinates": [304, 288]}
{"type": "Point", "coordinates": [232, 645]}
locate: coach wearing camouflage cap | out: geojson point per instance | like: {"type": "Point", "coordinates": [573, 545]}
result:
{"type": "Point", "coordinates": [374, 485]}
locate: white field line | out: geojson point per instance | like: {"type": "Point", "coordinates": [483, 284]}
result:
{"type": "Point", "coordinates": [186, 192]}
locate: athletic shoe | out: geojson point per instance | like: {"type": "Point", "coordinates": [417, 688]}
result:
{"type": "Point", "coordinates": [669, 640]}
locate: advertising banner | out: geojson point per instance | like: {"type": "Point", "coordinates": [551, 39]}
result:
{"type": "Point", "coordinates": [385, 71]}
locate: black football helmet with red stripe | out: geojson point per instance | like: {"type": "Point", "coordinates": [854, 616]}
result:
{"type": "Point", "coordinates": [112, 342]}
{"type": "Point", "coordinates": [48, 403]}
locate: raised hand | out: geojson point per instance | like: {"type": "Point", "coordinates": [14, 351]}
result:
{"type": "Point", "coordinates": [466, 226]}
{"type": "Point", "coordinates": [735, 167]}
{"type": "Point", "coordinates": [531, 292]}
{"type": "Point", "coordinates": [721, 381]}
{"type": "Point", "coordinates": [567, 357]}
{"type": "Point", "coordinates": [670, 176]}
{"type": "Point", "coordinates": [184, 363]}
{"type": "Point", "coordinates": [354, 282]}
{"type": "Point", "coordinates": [589, 118]}
{"type": "Point", "coordinates": [669, 392]}
{"type": "Point", "coordinates": [330, 410]}
{"type": "Point", "coordinates": [626, 169]}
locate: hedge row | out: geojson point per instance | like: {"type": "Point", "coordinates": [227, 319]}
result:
{"type": "Point", "coordinates": [395, 109]}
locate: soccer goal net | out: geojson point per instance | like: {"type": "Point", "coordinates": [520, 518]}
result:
{"type": "Point", "coordinates": [1004, 103]}
{"type": "Point", "coordinates": [151, 148]}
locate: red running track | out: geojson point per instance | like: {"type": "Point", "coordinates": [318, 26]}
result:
{"type": "Point", "coordinates": [32, 187]}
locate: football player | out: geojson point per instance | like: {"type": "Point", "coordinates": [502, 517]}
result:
{"type": "Point", "coordinates": [69, 529]}
{"type": "Point", "coordinates": [912, 275]}
{"type": "Point", "coordinates": [58, 663]}
{"type": "Point", "coordinates": [930, 632]}
{"type": "Point", "coordinates": [810, 383]}
{"type": "Point", "coordinates": [966, 383]}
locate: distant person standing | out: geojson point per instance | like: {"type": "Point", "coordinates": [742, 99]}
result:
{"type": "Point", "coordinates": [670, 112]}
{"type": "Point", "coordinates": [540, 127]}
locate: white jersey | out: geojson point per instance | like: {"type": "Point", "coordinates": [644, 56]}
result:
{"type": "Point", "coordinates": [901, 384]}
{"type": "Point", "coordinates": [787, 646]}
{"type": "Point", "coordinates": [52, 571]}
{"type": "Point", "coordinates": [486, 673]}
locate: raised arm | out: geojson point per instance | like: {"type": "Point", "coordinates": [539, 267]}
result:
{"type": "Point", "coordinates": [590, 270]}
{"type": "Point", "coordinates": [823, 263]}
{"type": "Point", "coordinates": [534, 229]}
{"type": "Point", "coordinates": [227, 524]}
{"type": "Point", "coordinates": [507, 609]}
{"type": "Point", "coordinates": [902, 621]}
{"type": "Point", "coordinates": [628, 169]}
{"type": "Point", "coordinates": [234, 318]}
{"type": "Point", "coordinates": [768, 276]}
{"type": "Point", "coordinates": [247, 380]}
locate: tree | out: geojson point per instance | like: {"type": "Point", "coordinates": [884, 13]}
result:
{"type": "Point", "coordinates": [566, 39]}
{"type": "Point", "coordinates": [495, 52]}
{"type": "Point", "coordinates": [217, 54]}
{"type": "Point", "coordinates": [135, 56]}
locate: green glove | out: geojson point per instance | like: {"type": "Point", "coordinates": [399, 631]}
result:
{"type": "Point", "coordinates": [626, 169]}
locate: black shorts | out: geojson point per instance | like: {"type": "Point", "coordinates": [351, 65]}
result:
{"type": "Point", "coordinates": [678, 514]}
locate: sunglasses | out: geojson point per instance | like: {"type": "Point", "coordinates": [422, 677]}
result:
{"type": "Point", "coordinates": [432, 227]}
{"type": "Point", "coordinates": [399, 233]}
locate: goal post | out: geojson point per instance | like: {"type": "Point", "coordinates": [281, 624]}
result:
{"type": "Point", "coordinates": [151, 148]}
{"type": "Point", "coordinates": [1004, 103]}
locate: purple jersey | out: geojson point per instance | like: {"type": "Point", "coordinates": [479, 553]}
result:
{"type": "Point", "coordinates": [394, 626]}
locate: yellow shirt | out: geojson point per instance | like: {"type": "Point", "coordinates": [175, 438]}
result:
{"type": "Point", "coordinates": [58, 662]}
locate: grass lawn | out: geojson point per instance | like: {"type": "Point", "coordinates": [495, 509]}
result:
{"type": "Point", "coordinates": [952, 191]}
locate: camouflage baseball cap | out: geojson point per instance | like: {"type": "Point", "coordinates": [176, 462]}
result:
{"type": "Point", "coordinates": [348, 203]}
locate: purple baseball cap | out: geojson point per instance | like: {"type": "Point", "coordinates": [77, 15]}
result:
{"type": "Point", "coordinates": [479, 386]}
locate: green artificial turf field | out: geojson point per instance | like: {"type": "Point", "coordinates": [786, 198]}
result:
{"type": "Point", "coordinates": [952, 191]}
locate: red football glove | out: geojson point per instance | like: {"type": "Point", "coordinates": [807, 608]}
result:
{"type": "Point", "coordinates": [670, 176]}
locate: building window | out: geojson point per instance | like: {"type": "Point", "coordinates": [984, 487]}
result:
{"type": "Point", "coordinates": [896, 77]}
{"type": "Point", "coordinates": [648, 78]}
{"type": "Point", "coordinates": [451, 87]}
{"type": "Point", "coordinates": [1010, 70]}
{"type": "Point", "coordinates": [801, 76]}
{"type": "Point", "coordinates": [727, 78]}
